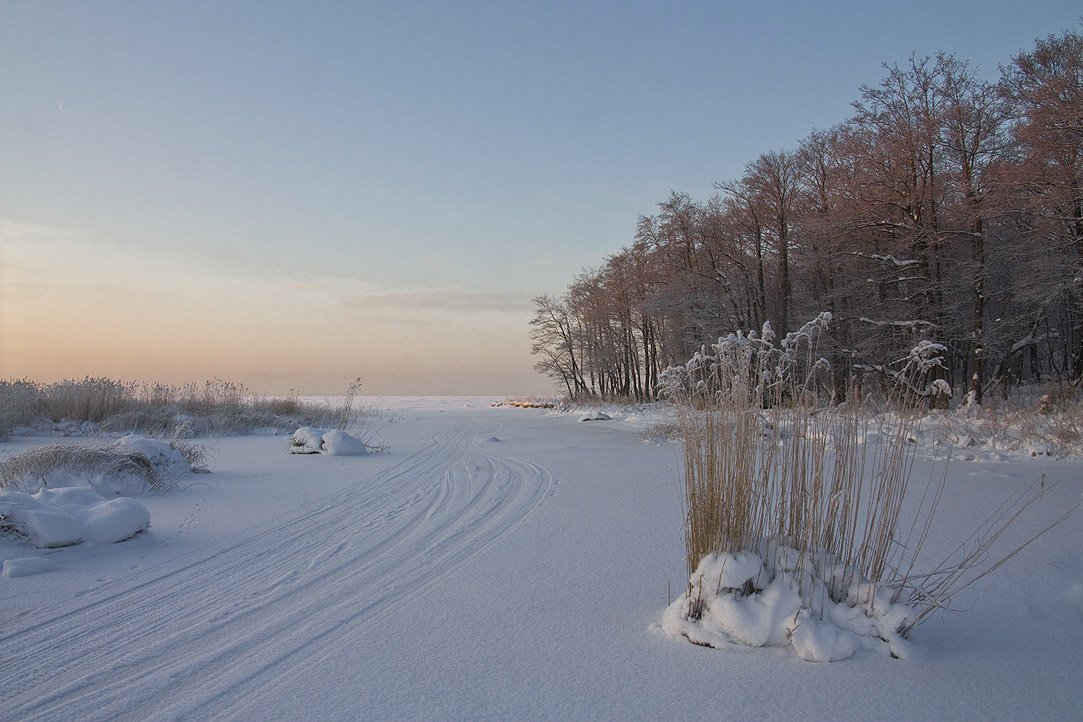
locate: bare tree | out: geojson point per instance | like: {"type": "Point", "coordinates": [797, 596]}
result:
{"type": "Point", "coordinates": [553, 339]}
{"type": "Point", "coordinates": [973, 135]}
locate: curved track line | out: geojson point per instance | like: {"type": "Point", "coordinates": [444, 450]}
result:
{"type": "Point", "coordinates": [201, 639]}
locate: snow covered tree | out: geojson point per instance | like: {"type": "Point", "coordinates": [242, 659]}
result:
{"type": "Point", "coordinates": [1045, 90]}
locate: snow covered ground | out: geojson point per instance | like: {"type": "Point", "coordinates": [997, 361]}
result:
{"type": "Point", "coordinates": [493, 563]}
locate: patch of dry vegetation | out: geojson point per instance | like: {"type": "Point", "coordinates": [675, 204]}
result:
{"type": "Point", "coordinates": [41, 466]}
{"type": "Point", "coordinates": [214, 408]}
{"type": "Point", "coordinates": [1051, 425]}
{"type": "Point", "coordinates": [104, 466]}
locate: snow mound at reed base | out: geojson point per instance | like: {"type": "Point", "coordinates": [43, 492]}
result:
{"type": "Point", "coordinates": [733, 599]}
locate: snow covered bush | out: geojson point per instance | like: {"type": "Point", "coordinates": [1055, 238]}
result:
{"type": "Point", "coordinates": [170, 460]}
{"type": "Point", "coordinates": [1046, 426]}
{"type": "Point", "coordinates": [131, 465]}
{"type": "Point", "coordinates": [795, 531]}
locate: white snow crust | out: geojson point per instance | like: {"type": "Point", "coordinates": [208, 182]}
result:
{"type": "Point", "coordinates": [452, 578]}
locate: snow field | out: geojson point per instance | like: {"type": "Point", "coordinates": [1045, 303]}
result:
{"type": "Point", "coordinates": [455, 578]}
{"type": "Point", "coordinates": [275, 600]}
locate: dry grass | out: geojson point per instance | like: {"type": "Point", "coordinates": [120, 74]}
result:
{"type": "Point", "coordinates": [196, 456]}
{"type": "Point", "coordinates": [772, 467]}
{"type": "Point", "coordinates": [345, 414]}
{"type": "Point", "coordinates": [747, 446]}
{"type": "Point", "coordinates": [48, 465]}
{"type": "Point", "coordinates": [41, 466]}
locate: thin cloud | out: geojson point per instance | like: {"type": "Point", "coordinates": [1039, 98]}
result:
{"type": "Point", "coordinates": [439, 300]}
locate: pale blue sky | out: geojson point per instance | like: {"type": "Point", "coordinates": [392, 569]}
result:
{"type": "Point", "coordinates": [292, 194]}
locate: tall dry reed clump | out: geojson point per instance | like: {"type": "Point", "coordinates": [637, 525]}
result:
{"type": "Point", "coordinates": [799, 503]}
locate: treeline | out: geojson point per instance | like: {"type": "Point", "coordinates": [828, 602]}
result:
{"type": "Point", "coordinates": [945, 209]}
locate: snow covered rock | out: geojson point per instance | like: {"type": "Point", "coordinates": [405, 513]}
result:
{"type": "Point", "coordinates": [310, 440]}
{"type": "Point", "coordinates": [42, 525]}
{"type": "Point", "coordinates": [595, 416]}
{"type": "Point", "coordinates": [818, 641]}
{"type": "Point", "coordinates": [306, 440]}
{"type": "Point", "coordinates": [114, 520]}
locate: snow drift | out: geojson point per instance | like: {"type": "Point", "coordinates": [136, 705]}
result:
{"type": "Point", "coordinates": [72, 515]}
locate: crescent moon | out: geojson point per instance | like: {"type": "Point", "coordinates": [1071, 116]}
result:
{"type": "Point", "coordinates": [61, 106]}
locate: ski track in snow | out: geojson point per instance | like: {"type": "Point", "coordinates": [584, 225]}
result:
{"type": "Point", "coordinates": [199, 640]}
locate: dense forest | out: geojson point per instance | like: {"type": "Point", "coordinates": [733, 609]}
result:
{"type": "Point", "coordinates": [946, 209]}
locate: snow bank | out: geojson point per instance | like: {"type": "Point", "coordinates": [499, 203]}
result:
{"type": "Point", "coordinates": [72, 515]}
{"type": "Point", "coordinates": [310, 440]}
{"type": "Point", "coordinates": [735, 600]}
